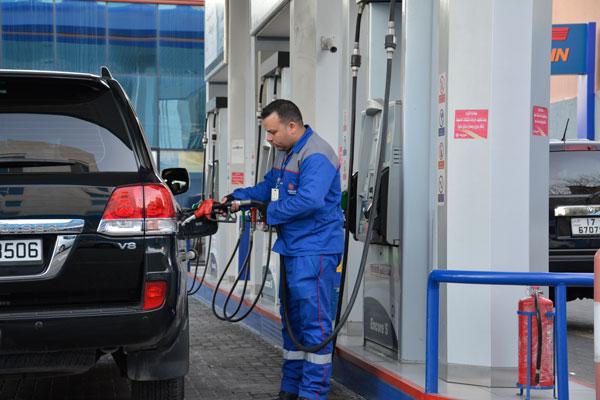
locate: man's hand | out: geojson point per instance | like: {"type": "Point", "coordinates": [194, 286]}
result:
{"type": "Point", "coordinates": [228, 199]}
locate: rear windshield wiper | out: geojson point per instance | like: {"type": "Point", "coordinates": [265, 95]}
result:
{"type": "Point", "coordinates": [10, 162]}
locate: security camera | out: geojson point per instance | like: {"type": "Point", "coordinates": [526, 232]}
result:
{"type": "Point", "coordinates": [328, 44]}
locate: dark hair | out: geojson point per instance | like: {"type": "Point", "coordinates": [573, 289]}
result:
{"type": "Point", "coordinates": [285, 109]}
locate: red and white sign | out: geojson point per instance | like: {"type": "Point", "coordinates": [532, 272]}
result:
{"type": "Point", "coordinates": [237, 178]}
{"type": "Point", "coordinates": [442, 89]}
{"type": "Point", "coordinates": [471, 124]}
{"type": "Point", "coordinates": [441, 156]}
{"type": "Point", "coordinates": [540, 121]}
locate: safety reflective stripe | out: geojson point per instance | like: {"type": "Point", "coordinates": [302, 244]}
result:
{"type": "Point", "coordinates": [320, 359]}
{"type": "Point", "coordinates": [310, 357]}
{"type": "Point", "coordinates": [293, 355]}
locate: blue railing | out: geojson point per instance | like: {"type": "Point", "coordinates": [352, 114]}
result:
{"type": "Point", "coordinates": [558, 280]}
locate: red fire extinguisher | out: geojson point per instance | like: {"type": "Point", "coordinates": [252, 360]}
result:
{"type": "Point", "coordinates": [540, 312]}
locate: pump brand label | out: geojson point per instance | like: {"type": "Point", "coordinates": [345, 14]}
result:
{"type": "Point", "coordinates": [569, 49]}
{"type": "Point", "coordinates": [471, 124]}
{"type": "Point", "coordinates": [540, 121]}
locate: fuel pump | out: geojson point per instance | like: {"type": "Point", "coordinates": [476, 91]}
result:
{"type": "Point", "coordinates": [275, 77]}
{"type": "Point", "coordinates": [380, 129]}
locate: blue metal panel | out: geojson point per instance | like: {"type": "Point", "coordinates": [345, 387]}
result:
{"type": "Point", "coordinates": [569, 49]}
{"type": "Point", "coordinates": [591, 81]}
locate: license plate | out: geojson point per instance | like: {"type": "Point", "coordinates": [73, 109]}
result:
{"type": "Point", "coordinates": [585, 226]}
{"type": "Point", "coordinates": [21, 251]}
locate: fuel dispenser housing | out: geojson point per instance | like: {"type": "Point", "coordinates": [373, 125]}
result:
{"type": "Point", "coordinates": [388, 222]}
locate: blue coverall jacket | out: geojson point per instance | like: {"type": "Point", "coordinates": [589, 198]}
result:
{"type": "Point", "coordinates": [308, 215]}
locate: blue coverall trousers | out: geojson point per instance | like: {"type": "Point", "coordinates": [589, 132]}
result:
{"type": "Point", "coordinates": [312, 282]}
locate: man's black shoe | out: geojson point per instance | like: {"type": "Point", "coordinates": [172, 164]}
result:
{"type": "Point", "coordinates": [287, 396]}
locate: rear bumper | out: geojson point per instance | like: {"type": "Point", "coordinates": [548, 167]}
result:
{"type": "Point", "coordinates": [96, 329]}
{"type": "Point", "coordinates": [572, 260]}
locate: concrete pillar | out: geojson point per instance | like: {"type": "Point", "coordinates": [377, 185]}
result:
{"type": "Point", "coordinates": [232, 142]}
{"type": "Point", "coordinates": [238, 86]}
{"type": "Point", "coordinates": [415, 82]}
{"type": "Point", "coordinates": [303, 55]}
{"type": "Point", "coordinates": [497, 174]}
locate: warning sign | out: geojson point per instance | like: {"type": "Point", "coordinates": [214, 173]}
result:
{"type": "Point", "coordinates": [237, 178]}
{"type": "Point", "coordinates": [441, 172]}
{"type": "Point", "coordinates": [441, 188]}
{"type": "Point", "coordinates": [471, 124]}
{"type": "Point", "coordinates": [441, 156]}
{"type": "Point", "coordinates": [442, 89]}
{"type": "Point", "coordinates": [540, 121]}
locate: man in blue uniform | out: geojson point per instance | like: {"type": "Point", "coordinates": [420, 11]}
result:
{"type": "Point", "coordinates": [303, 194]}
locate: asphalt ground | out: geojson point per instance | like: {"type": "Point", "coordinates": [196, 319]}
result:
{"type": "Point", "coordinates": [227, 362]}
{"type": "Point", "coordinates": [580, 320]}
{"type": "Point", "coordinates": [230, 362]}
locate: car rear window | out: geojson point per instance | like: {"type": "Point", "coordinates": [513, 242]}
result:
{"type": "Point", "coordinates": [61, 125]}
{"type": "Point", "coordinates": [574, 172]}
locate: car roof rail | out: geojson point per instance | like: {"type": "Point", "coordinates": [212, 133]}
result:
{"type": "Point", "coordinates": [105, 72]}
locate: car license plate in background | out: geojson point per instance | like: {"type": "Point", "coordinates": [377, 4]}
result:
{"type": "Point", "coordinates": [585, 226]}
{"type": "Point", "coordinates": [17, 251]}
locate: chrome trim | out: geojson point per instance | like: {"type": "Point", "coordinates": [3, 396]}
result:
{"type": "Point", "coordinates": [40, 226]}
{"type": "Point", "coordinates": [592, 210]}
{"type": "Point", "coordinates": [62, 249]}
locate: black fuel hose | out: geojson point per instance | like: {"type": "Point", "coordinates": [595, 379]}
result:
{"type": "Point", "coordinates": [215, 163]}
{"type": "Point", "coordinates": [262, 285]}
{"type": "Point", "coordinates": [538, 316]}
{"type": "Point", "coordinates": [259, 136]}
{"type": "Point", "coordinates": [216, 289]}
{"type": "Point", "coordinates": [193, 290]}
{"type": "Point", "coordinates": [390, 46]}
{"type": "Point", "coordinates": [243, 272]}
{"type": "Point", "coordinates": [355, 65]}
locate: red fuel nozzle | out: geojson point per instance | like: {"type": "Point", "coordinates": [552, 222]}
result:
{"type": "Point", "coordinates": [205, 209]}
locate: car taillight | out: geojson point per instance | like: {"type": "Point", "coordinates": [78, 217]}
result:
{"type": "Point", "coordinates": [133, 210]}
{"type": "Point", "coordinates": [155, 293]}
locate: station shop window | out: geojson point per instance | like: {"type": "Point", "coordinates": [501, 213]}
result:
{"type": "Point", "coordinates": [27, 34]}
{"type": "Point", "coordinates": [181, 112]}
{"type": "Point", "coordinates": [155, 51]}
{"type": "Point", "coordinates": [80, 36]}
{"type": "Point", "coordinates": [132, 38]}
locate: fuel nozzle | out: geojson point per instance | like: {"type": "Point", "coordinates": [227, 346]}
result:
{"type": "Point", "coordinates": [203, 209]}
{"type": "Point", "coordinates": [209, 209]}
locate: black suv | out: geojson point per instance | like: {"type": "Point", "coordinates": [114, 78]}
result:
{"type": "Point", "coordinates": [574, 208]}
{"type": "Point", "coordinates": [90, 263]}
